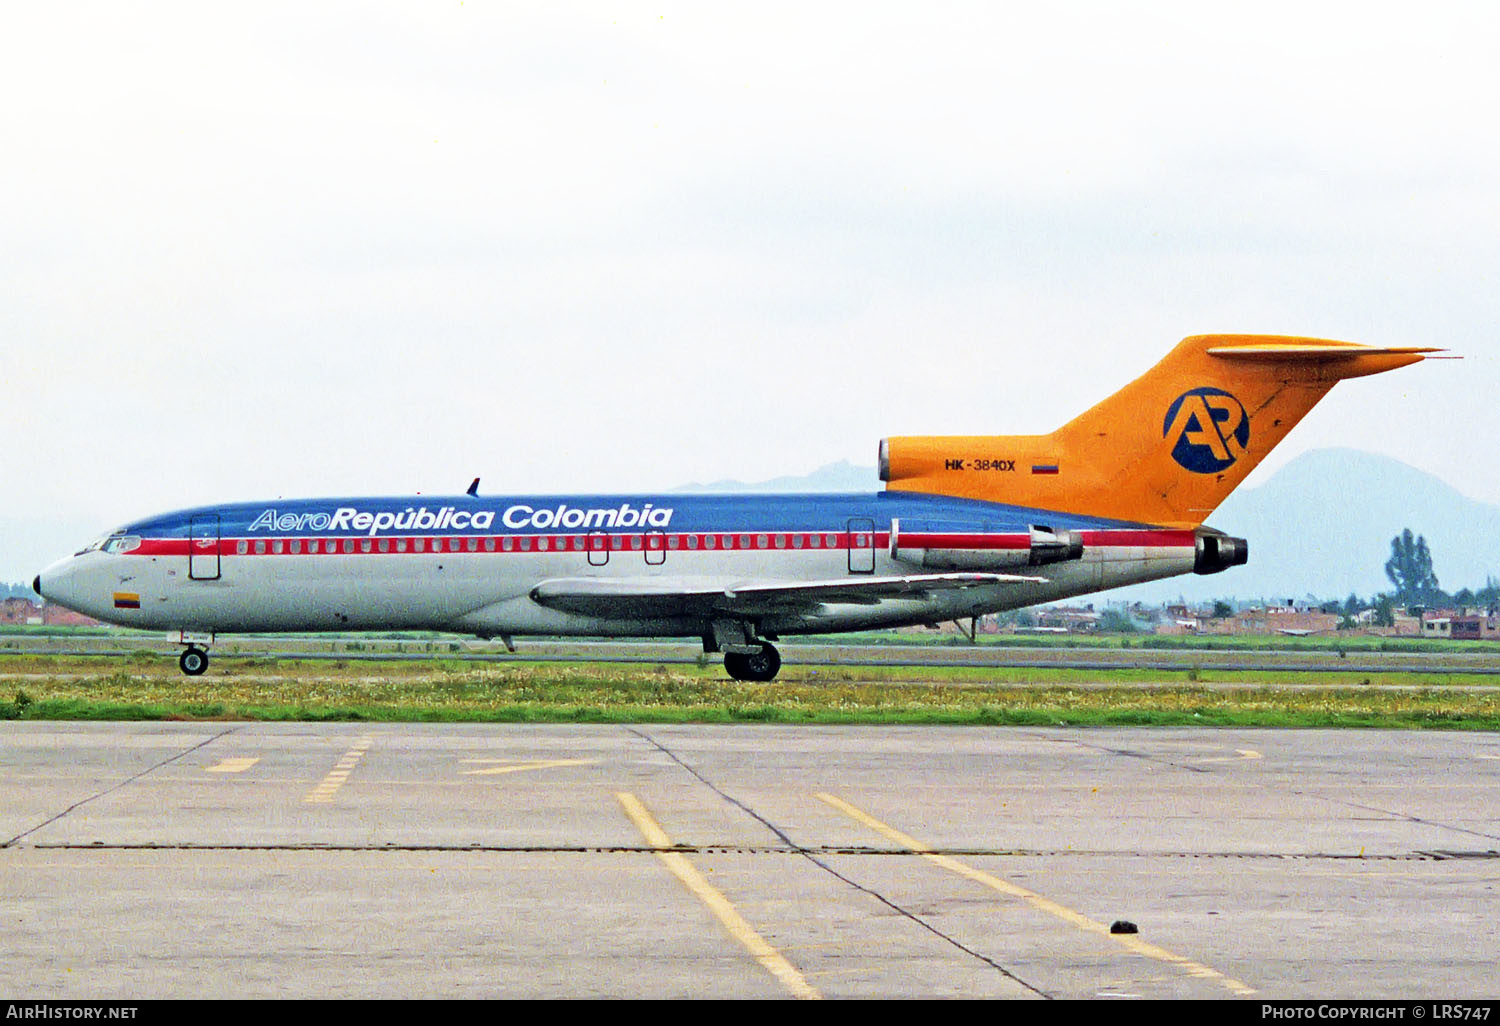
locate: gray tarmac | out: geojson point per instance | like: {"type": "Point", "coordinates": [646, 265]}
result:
{"type": "Point", "coordinates": [353, 860]}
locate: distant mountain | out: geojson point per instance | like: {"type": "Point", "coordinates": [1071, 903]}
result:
{"type": "Point", "coordinates": [1321, 526]}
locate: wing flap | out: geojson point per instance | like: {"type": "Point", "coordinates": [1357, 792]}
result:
{"type": "Point", "coordinates": [626, 598]}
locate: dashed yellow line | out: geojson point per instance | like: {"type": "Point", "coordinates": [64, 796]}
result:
{"type": "Point", "coordinates": [771, 959]}
{"type": "Point", "coordinates": [330, 784]}
{"type": "Point", "coordinates": [520, 767]}
{"type": "Point", "coordinates": [1132, 942]}
{"type": "Point", "coordinates": [233, 765]}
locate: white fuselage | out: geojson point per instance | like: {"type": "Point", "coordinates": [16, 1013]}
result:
{"type": "Point", "coordinates": [244, 568]}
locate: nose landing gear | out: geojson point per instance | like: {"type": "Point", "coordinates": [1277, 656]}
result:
{"type": "Point", "coordinates": [193, 661]}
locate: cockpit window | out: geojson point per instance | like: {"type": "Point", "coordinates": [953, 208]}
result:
{"type": "Point", "coordinates": [118, 540]}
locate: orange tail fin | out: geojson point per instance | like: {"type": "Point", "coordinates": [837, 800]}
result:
{"type": "Point", "coordinates": [1165, 449]}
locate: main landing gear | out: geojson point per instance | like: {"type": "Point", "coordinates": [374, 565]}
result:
{"type": "Point", "coordinates": [746, 657]}
{"type": "Point", "coordinates": [760, 665]}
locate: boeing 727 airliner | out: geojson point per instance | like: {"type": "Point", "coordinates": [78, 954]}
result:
{"type": "Point", "coordinates": [965, 526]}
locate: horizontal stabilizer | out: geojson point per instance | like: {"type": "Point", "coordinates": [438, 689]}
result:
{"type": "Point", "coordinates": [1272, 353]}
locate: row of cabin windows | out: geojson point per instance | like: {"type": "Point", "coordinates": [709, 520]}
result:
{"type": "Point", "coordinates": [577, 543]}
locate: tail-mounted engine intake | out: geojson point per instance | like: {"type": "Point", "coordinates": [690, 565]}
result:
{"type": "Point", "coordinates": [1049, 546]}
{"type": "Point", "coordinates": [1216, 552]}
{"type": "Point", "coordinates": [947, 547]}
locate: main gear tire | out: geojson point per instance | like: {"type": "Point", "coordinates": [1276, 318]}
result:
{"type": "Point", "coordinates": [759, 666]}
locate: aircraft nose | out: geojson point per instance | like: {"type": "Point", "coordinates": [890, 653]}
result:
{"type": "Point", "coordinates": [36, 584]}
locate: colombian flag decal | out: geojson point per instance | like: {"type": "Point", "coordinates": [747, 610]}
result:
{"type": "Point", "coordinates": [1044, 468]}
{"type": "Point", "coordinates": [127, 600]}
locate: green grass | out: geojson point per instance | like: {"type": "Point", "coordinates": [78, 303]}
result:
{"type": "Point", "coordinates": [53, 688]}
{"type": "Point", "coordinates": [1333, 642]}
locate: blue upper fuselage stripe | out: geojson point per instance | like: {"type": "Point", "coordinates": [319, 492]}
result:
{"type": "Point", "coordinates": [423, 514]}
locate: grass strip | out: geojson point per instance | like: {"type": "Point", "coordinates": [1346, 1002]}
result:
{"type": "Point", "coordinates": [608, 693]}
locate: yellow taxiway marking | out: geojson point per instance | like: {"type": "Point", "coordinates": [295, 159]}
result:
{"type": "Point", "coordinates": [1241, 755]}
{"type": "Point", "coordinates": [1130, 941]}
{"type": "Point", "coordinates": [233, 765]}
{"type": "Point", "coordinates": [325, 791]}
{"type": "Point", "coordinates": [521, 767]}
{"type": "Point", "coordinates": [771, 959]}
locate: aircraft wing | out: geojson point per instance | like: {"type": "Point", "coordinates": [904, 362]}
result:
{"type": "Point", "coordinates": [627, 598]}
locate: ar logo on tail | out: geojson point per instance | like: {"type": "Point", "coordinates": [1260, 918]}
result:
{"type": "Point", "coordinates": [1209, 428]}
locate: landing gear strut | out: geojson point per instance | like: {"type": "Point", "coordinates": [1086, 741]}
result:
{"type": "Point", "coordinates": [746, 657]}
{"type": "Point", "coordinates": [761, 665]}
{"type": "Point", "coordinates": [193, 661]}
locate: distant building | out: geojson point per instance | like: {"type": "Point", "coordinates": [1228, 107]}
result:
{"type": "Point", "coordinates": [54, 615]}
{"type": "Point", "coordinates": [1446, 623]}
{"type": "Point", "coordinates": [1072, 620]}
{"type": "Point", "coordinates": [1270, 620]}
{"type": "Point", "coordinates": [19, 610]}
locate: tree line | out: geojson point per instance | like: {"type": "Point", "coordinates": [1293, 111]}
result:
{"type": "Point", "coordinates": [1415, 587]}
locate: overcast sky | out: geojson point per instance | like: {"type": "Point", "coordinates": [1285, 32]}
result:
{"type": "Point", "coordinates": [267, 250]}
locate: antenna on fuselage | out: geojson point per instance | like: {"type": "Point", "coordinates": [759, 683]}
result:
{"type": "Point", "coordinates": [473, 488]}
